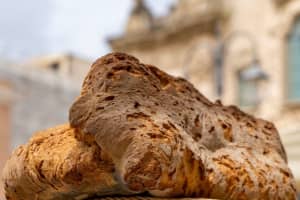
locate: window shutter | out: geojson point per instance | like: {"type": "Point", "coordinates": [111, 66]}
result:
{"type": "Point", "coordinates": [293, 69]}
{"type": "Point", "coordinates": [248, 93]}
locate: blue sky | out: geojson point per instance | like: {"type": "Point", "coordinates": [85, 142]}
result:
{"type": "Point", "coordinates": [35, 27]}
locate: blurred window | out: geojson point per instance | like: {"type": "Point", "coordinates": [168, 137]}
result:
{"type": "Point", "coordinates": [248, 91]}
{"type": "Point", "coordinates": [293, 69]}
{"type": "Point", "coordinates": [55, 66]}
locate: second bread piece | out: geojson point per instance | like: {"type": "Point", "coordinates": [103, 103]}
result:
{"type": "Point", "coordinates": [59, 164]}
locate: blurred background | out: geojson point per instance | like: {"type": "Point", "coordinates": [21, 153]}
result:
{"type": "Point", "coordinates": [244, 52]}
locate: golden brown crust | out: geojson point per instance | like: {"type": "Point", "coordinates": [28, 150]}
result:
{"type": "Point", "coordinates": [55, 164]}
{"type": "Point", "coordinates": [168, 139]}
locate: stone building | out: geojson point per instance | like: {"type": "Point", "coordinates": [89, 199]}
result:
{"type": "Point", "coordinates": [37, 93]}
{"type": "Point", "coordinates": [243, 52]}
{"type": "Point", "coordinates": [5, 126]}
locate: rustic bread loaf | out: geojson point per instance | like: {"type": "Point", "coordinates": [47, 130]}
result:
{"type": "Point", "coordinates": [135, 129]}
{"type": "Point", "coordinates": [166, 138]}
{"type": "Point", "coordinates": [59, 164]}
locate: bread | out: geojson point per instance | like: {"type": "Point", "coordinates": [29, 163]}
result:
{"type": "Point", "coordinates": [136, 130]}
{"type": "Point", "coordinates": [57, 164]}
{"type": "Point", "coordinates": [167, 139]}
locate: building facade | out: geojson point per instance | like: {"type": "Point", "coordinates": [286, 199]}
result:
{"type": "Point", "coordinates": [5, 125]}
{"type": "Point", "coordinates": [243, 52]}
{"type": "Point", "coordinates": [37, 94]}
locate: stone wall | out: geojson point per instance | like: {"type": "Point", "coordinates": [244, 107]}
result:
{"type": "Point", "coordinates": [40, 100]}
{"type": "Point", "coordinates": [4, 137]}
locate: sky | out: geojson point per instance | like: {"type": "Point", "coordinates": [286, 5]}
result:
{"type": "Point", "coordinates": [39, 27]}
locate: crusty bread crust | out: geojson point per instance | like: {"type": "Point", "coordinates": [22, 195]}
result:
{"type": "Point", "coordinates": [59, 164]}
{"type": "Point", "coordinates": [167, 139]}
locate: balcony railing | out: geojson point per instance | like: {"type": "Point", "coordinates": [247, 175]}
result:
{"type": "Point", "coordinates": [197, 12]}
{"type": "Point", "coordinates": [280, 2]}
